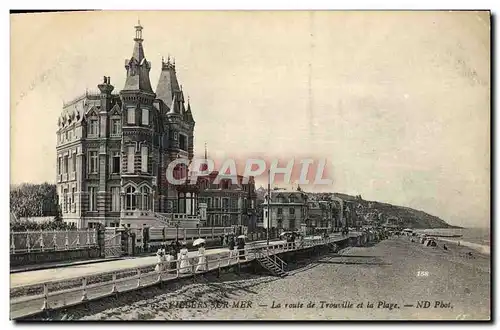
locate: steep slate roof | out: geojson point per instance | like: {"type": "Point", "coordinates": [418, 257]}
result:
{"type": "Point", "coordinates": [138, 67]}
{"type": "Point", "coordinates": [167, 84]}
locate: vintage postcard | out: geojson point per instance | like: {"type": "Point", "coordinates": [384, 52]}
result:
{"type": "Point", "coordinates": [250, 165]}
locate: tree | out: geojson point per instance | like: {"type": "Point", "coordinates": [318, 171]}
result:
{"type": "Point", "coordinates": [34, 200]}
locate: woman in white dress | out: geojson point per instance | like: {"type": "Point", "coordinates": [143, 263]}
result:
{"type": "Point", "coordinates": [202, 259]}
{"type": "Point", "coordinates": [185, 266]}
{"type": "Point", "coordinates": [160, 259]}
{"type": "Point", "coordinates": [231, 246]}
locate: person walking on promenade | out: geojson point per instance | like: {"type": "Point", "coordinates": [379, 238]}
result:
{"type": "Point", "coordinates": [294, 238]}
{"type": "Point", "coordinates": [231, 246]}
{"type": "Point", "coordinates": [175, 256]}
{"type": "Point", "coordinates": [185, 266]}
{"type": "Point", "coordinates": [202, 259]}
{"type": "Point", "coordinates": [177, 249]}
{"type": "Point", "coordinates": [289, 240]}
{"type": "Point", "coordinates": [160, 259]}
{"type": "Point", "coordinates": [241, 247]}
{"type": "Point", "coordinates": [169, 257]}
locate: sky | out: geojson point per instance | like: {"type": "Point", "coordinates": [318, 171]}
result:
{"type": "Point", "coordinates": [397, 102]}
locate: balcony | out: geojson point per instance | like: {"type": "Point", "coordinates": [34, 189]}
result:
{"type": "Point", "coordinates": [136, 213]}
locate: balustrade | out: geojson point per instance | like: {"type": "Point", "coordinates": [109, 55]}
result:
{"type": "Point", "coordinates": [42, 241]}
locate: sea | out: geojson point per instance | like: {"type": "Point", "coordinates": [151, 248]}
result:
{"type": "Point", "coordinates": [475, 238]}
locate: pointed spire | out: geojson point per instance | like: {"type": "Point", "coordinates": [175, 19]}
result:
{"type": "Point", "coordinates": [138, 53]}
{"type": "Point", "coordinates": [137, 66]}
{"type": "Point", "coordinates": [206, 157]}
{"type": "Point", "coordinates": [189, 114]}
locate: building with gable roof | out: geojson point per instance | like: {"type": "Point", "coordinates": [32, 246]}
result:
{"type": "Point", "coordinates": [287, 209]}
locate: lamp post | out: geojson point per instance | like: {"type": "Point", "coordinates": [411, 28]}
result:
{"type": "Point", "coordinates": [177, 230]}
{"type": "Point", "coordinates": [268, 204]}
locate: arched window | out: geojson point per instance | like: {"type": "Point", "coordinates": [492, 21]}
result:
{"type": "Point", "coordinates": [130, 201]}
{"type": "Point", "coordinates": [145, 195]}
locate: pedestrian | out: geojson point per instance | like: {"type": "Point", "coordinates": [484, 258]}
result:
{"type": "Point", "coordinates": [177, 246]}
{"type": "Point", "coordinates": [289, 240]}
{"type": "Point", "coordinates": [222, 240]}
{"type": "Point", "coordinates": [231, 247]}
{"type": "Point", "coordinates": [185, 266]}
{"type": "Point", "coordinates": [202, 259]}
{"type": "Point", "coordinates": [169, 258]}
{"type": "Point", "coordinates": [160, 258]}
{"type": "Point", "coordinates": [174, 254]}
{"type": "Point", "coordinates": [241, 248]}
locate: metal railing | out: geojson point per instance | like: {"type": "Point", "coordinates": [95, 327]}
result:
{"type": "Point", "coordinates": [31, 299]}
{"type": "Point", "coordinates": [169, 233]}
{"type": "Point", "coordinates": [51, 240]}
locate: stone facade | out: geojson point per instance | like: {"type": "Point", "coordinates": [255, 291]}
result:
{"type": "Point", "coordinates": [113, 149]}
{"type": "Point", "coordinates": [325, 214]}
{"type": "Point", "coordinates": [228, 203]}
{"type": "Point", "coordinates": [288, 209]}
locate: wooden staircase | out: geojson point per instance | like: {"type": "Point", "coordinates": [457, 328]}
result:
{"type": "Point", "coordinates": [164, 220]}
{"type": "Point", "coordinates": [276, 267]}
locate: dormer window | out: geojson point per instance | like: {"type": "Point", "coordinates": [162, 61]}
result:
{"type": "Point", "coordinates": [93, 127]}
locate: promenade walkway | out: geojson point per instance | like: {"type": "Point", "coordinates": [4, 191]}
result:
{"type": "Point", "coordinates": [68, 272]}
{"type": "Point", "coordinates": [59, 287]}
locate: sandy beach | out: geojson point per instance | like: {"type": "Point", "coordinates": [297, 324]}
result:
{"type": "Point", "coordinates": [368, 283]}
